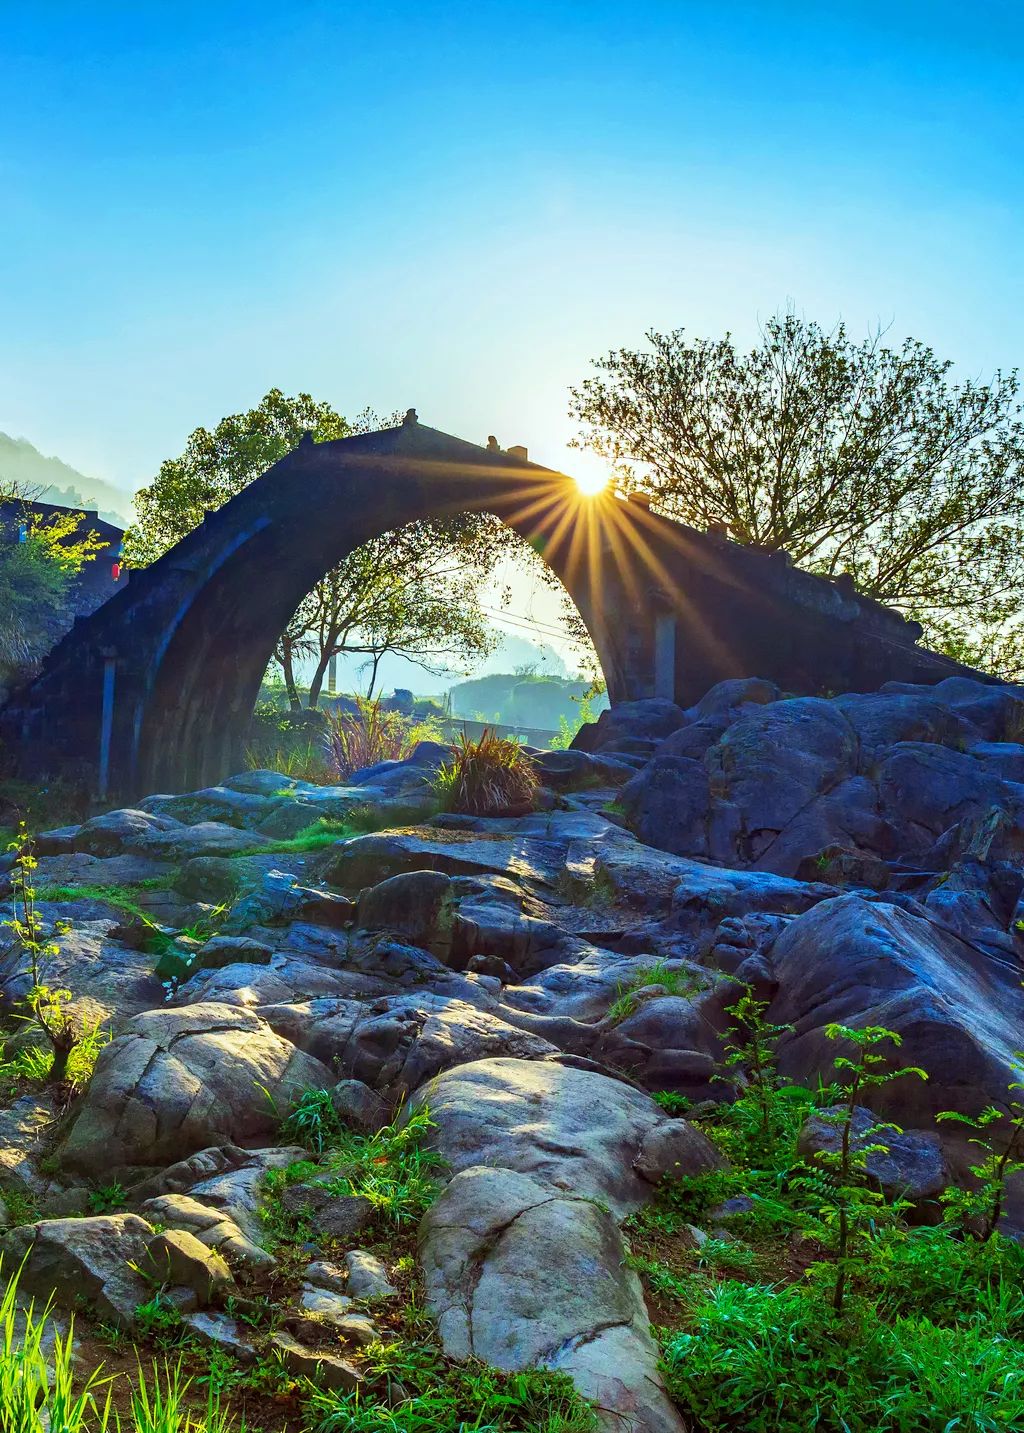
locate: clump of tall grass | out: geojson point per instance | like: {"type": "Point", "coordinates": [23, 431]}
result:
{"type": "Point", "coordinates": [306, 761]}
{"type": "Point", "coordinates": [370, 734]}
{"type": "Point", "coordinates": [487, 776]}
{"type": "Point", "coordinates": [42, 1391]}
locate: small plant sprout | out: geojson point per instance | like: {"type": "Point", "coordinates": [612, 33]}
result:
{"type": "Point", "coordinates": [999, 1134]}
{"type": "Point", "coordinates": [847, 1203]}
{"type": "Point", "coordinates": [751, 1047]}
{"type": "Point", "coordinates": [47, 1004]}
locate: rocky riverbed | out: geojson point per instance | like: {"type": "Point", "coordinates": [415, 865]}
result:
{"type": "Point", "coordinates": [531, 983]}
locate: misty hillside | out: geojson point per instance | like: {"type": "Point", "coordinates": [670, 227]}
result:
{"type": "Point", "coordinates": [53, 481]}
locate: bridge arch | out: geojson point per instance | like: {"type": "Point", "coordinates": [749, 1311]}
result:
{"type": "Point", "coordinates": [167, 672]}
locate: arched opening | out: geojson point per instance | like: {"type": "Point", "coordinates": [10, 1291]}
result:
{"type": "Point", "coordinates": [266, 549]}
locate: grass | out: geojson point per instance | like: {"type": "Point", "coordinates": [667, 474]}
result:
{"type": "Point", "coordinates": [434, 1395]}
{"type": "Point", "coordinates": [392, 1168]}
{"type": "Point", "coordinates": [43, 1391]}
{"type": "Point", "coordinates": [123, 898]}
{"type": "Point", "coordinates": [487, 776]}
{"type": "Point", "coordinates": [355, 740]}
{"type": "Point", "coordinates": [673, 982]}
{"type": "Point", "coordinates": [359, 821]}
{"type": "Point", "coordinates": [30, 1064]}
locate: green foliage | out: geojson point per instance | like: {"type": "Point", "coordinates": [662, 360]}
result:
{"type": "Point", "coordinates": [778, 1360]}
{"type": "Point", "coordinates": [391, 1168]}
{"type": "Point", "coordinates": [47, 1005]}
{"type": "Point", "coordinates": [673, 982]}
{"type": "Point", "coordinates": [430, 1394]}
{"type": "Point", "coordinates": [751, 1049]}
{"type": "Point", "coordinates": [107, 1198]}
{"type": "Point", "coordinates": [313, 1121]}
{"type": "Point", "coordinates": [999, 1134]}
{"type": "Point", "coordinates": [35, 578]}
{"type": "Point", "coordinates": [40, 1390]}
{"type": "Point", "coordinates": [489, 776]}
{"type": "Point", "coordinates": [850, 456]}
{"type": "Point", "coordinates": [837, 1185]}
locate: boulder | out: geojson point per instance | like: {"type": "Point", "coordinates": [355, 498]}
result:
{"type": "Point", "coordinates": [858, 962]}
{"type": "Point", "coordinates": [178, 1258]}
{"type": "Point", "coordinates": [181, 1080]}
{"type": "Point", "coordinates": [91, 1258]}
{"type": "Point", "coordinates": [326, 1370]}
{"type": "Point", "coordinates": [118, 831]}
{"type": "Point", "coordinates": [573, 770]}
{"type": "Point", "coordinates": [840, 866]}
{"type": "Point", "coordinates": [360, 1107]}
{"type": "Point", "coordinates": [417, 904]}
{"type": "Point", "coordinates": [521, 1273]}
{"type": "Point", "coordinates": [367, 1276]}
{"type": "Point", "coordinates": [650, 720]}
{"type": "Point", "coordinates": [574, 1129]}
{"type": "Point", "coordinates": [211, 1226]}
{"type": "Point", "coordinates": [667, 805]}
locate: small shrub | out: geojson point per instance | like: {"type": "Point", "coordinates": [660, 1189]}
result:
{"type": "Point", "coordinates": [839, 1184]}
{"type": "Point", "coordinates": [487, 776]}
{"type": "Point", "coordinates": [752, 1048]}
{"type": "Point", "coordinates": [48, 1005]}
{"type": "Point", "coordinates": [979, 1210]}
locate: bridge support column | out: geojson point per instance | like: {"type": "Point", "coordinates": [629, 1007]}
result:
{"type": "Point", "coordinates": [665, 656]}
{"type": "Point", "coordinates": [106, 724]}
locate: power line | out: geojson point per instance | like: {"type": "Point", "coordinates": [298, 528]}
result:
{"type": "Point", "coordinates": [530, 625]}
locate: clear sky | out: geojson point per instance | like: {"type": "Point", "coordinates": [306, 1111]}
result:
{"type": "Point", "coordinates": [455, 206]}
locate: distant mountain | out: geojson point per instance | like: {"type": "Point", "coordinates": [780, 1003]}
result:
{"type": "Point", "coordinates": [52, 481]}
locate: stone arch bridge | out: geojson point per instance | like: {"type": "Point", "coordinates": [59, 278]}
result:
{"type": "Point", "coordinates": [154, 690]}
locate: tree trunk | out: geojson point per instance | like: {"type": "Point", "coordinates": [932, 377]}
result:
{"type": "Point", "coordinates": [288, 668]}
{"type": "Point", "coordinates": [316, 684]}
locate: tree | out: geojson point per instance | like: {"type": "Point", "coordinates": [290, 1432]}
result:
{"type": "Point", "coordinates": [36, 575]}
{"type": "Point", "coordinates": [853, 457]}
{"type": "Point", "coordinates": [415, 592]}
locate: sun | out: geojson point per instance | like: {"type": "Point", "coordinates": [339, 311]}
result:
{"type": "Point", "coordinates": [590, 484]}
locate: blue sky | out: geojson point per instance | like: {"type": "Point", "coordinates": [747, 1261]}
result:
{"type": "Point", "coordinates": [457, 206]}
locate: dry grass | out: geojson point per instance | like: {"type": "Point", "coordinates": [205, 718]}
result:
{"type": "Point", "coordinates": [489, 776]}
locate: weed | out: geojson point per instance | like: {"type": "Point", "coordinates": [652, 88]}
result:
{"type": "Point", "coordinates": [428, 1394]}
{"type": "Point", "coordinates": [355, 740]}
{"type": "Point", "coordinates": [391, 1169]}
{"type": "Point", "coordinates": [313, 1122]}
{"type": "Point", "coordinates": [111, 1196]}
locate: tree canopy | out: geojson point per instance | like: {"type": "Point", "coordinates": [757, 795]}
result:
{"type": "Point", "coordinates": [852, 456]}
{"type": "Point", "coordinates": [35, 577]}
{"type": "Point", "coordinates": [415, 592]}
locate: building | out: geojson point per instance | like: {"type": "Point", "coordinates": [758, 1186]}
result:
{"type": "Point", "coordinates": [98, 579]}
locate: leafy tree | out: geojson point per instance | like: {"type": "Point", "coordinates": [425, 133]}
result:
{"type": "Point", "coordinates": [415, 592]}
{"type": "Point", "coordinates": [35, 578]}
{"type": "Point", "coordinates": [853, 457]}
